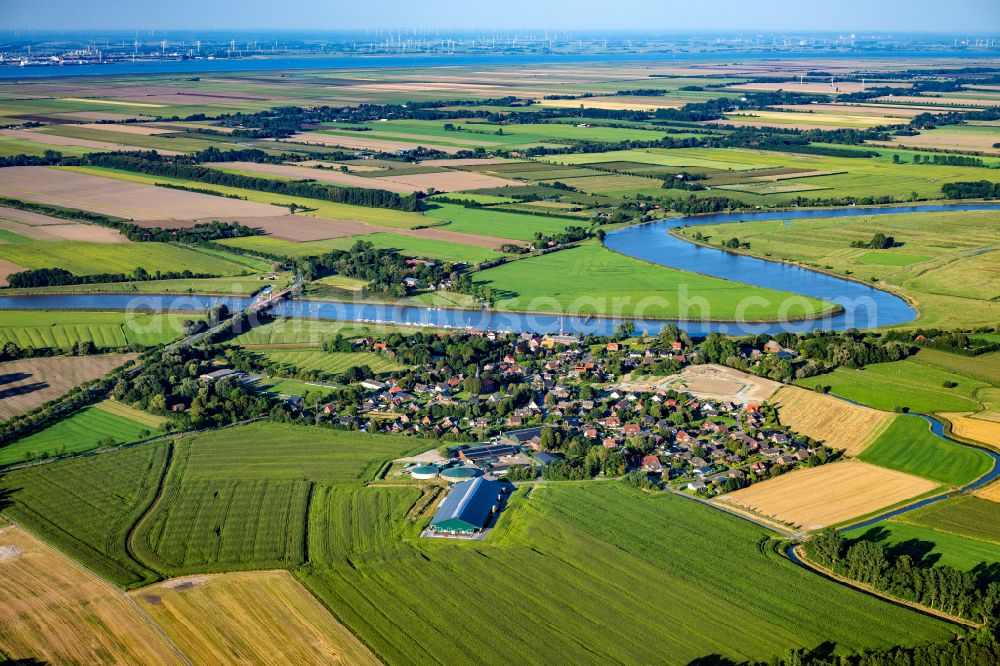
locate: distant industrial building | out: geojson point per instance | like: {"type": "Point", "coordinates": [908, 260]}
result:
{"type": "Point", "coordinates": [469, 506]}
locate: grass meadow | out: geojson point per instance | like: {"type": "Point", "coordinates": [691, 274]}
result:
{"type": "Point", "coordinates": [596, 280]}
{"type": "Point", "coordinates": [83, 258]}
{"type": "Point", "coordinates": [304, 360]}
{"type": "Point", "coordinates": [82, 431]}
{"type": "Point", "coordinates": [965, 515]}
{"type": "Point", "coordinates": [502, 224]}
{"type": "Point", "coordinates": [908, 445]}
{"type": "Point", "coordinates": [87, 506]}
{"type": "Point", "coordinates": [931, 545]}
{"type": "Point", "coordinates": [945, 263]}
{"type": "Point", "coordinates": [573, 555]}
{"type": "Point", "coordinates": [58, 329]}
{"type": "Point", "coordinates": [908, 383]}
{"type": "Point", "coordinates": [239, 498]}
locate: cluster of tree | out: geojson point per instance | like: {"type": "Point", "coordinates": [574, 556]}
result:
{"type": "Point", "coordinates": [199, 190]}
{"type": "Point", "coordinates": [714, 109]}
{"type": "Point", "coordinates": [582, 458]}
{"type": "Point", "coordinates": [971, 595]}
{"type": "Point", "coordinates": [878, 242]}
{"type": "Point", "coordinates": [59, 277]}
{"type": "Point", "coordinates": [168, 384]}
{"type": "Point", "coordinates": [48, 158]}
{"type": "Point", "coordinates": [980, 189]}
{"type": "Point", "coordinates": [948, 160]}
{"type": "Point", "coordinates": [154, 164]}
{"type": "Point", "coordinates": [955, 342]}
{"type": "Point", "coordinates": [818, 352]}
{"type": "Point", "coordinates": [383, 269]}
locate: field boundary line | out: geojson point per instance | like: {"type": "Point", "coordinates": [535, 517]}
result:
{"type": "Point", "coordinates": [168, 463]}
{"type": "Point", "coordinates": [875, 592]}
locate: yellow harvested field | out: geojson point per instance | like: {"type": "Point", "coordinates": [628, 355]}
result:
{"type": "Point", "coordinates": [836, 423]}
{"type": "Point", "coordinates": [145, 418]}
{"type": "Point", "coordinates": [56, 611]}
{"type": "Point", "coordinates": [56, 140]}
{"type": "Point", "coordinates": [990, 492]}
{"type": "Point", "coordinates": [829, 494]}
{"type": "Point", "coordinates": [29, 382]}
{"type": "Point", "coordinates": [361, 143]}
{"type": "Point", "coordinates": [122, 198]}
{"type": "Point", "coordinates": [972, 426]}
{"type": "Point", "coordinates": [259, 617]}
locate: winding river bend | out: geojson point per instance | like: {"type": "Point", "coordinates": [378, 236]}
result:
{"type": "Point", "coordinates": [863, 306]}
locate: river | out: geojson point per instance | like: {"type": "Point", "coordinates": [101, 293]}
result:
{"type": "Point", "coordinates": [863, 305]}
{"type": "Point", "coordinates": [279, 63]}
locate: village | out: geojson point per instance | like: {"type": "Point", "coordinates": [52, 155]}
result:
{"type": "Point", "coordinates": [556, 408]}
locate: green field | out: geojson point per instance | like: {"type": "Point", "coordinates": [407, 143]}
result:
{"type": "Point", "coordinates": [847, 176]}
{"type": "Point", "coordinates": [908, 445]}
{"type": "Point", "coordinates": [501, 224]}
{"type": "Point", "coordinates": [87, 506]}
{"type": "Point", "coordinates": [291, 331]}
{"type": "Point", "coordinates": [947, 263]}
{"type": "Point", "coordinates": [943, 548]}
{"type": "Point", "coordinates": [238, 498]}
{"type": "Point", "coordinates": [82, 258]}
{"type": "Point", "coordinates": [353, 524]}
{"type": "Point", "coordinates": [907, 383]}
{"type": "Point", "coordinates": [408, 246]}
{"type": "Point", "coordinates": [572, 556]}
{"type": "Point", "coordinates": [985, 367]}
{"type": "Point", "coordinates": [473, 134]}
{"type": "Point", "coordinates": [334, 363]}
{"type": "Point", "coordinates": [592, 279]}
{"type": "Point", "coordinates": [61, 330]}
{"type": "Point", "coordinates": [80, 432]}
{"type": "Point", "coordinates": [965, 515]}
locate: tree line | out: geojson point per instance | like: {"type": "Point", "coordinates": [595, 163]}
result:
{"type": "Point", "coordinates": [973, 595]}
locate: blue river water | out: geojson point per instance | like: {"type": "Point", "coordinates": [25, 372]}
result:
{"type": "Point", "coordinates": [458, 60]}
{"type": "Point", "coordinates": [864, 306]}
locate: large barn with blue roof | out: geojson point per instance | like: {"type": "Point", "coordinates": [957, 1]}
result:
{"type": "Point", "coordinates": [468, 507]}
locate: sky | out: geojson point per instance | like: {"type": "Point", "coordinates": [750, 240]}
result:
{"type": "Point", "coordinates": [976, 17]}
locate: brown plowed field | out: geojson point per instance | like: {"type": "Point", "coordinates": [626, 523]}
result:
{"type": "Point", "coordinates": [65, 231]}
{"type": "Point", "coordinates": [121, 198]}
{"type": "Point", "coordinates": [6, 268]}
{"type": "Point", "coordinates": [54, 140]}
{"type": "Point", "coordinates": [27, 383]}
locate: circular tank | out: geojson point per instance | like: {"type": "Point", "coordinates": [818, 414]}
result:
{"type": "Point", "coordinates": [424, 472]}
{"type": "Point", "coordinates": [454, 474]}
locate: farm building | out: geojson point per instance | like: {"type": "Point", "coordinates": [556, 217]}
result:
{"type": "Point", "coordinates": [487, 452]}
{"type": "Point", "coordinates": [468, 507]}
